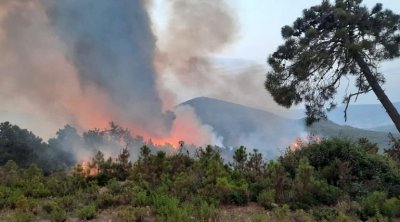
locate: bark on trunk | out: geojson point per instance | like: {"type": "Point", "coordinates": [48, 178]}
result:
{"type": "Point", "coordinates": [387, 104]}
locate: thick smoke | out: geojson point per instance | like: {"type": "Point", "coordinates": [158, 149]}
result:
{"type": "Point", "coordinates": [194, 33]}
{"type": "Point", "coordinates": [196, 29]}
{"type": "Point", "coordinates": [87, 62]}
{"type": "Point", "coordinates": [36, 81]}
{"type": "Point", "coordinates": [111, 44]}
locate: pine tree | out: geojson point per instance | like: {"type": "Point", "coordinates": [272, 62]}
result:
{"type": "Point", "coordinates": [329, 42]}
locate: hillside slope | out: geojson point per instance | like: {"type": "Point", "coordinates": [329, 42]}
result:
{"type": "Point", "coordinates": [362, 116]}
{"type": "Point", "coordinates": [241, 125]}
{"type": "Point", "coordinates": [271, 133]}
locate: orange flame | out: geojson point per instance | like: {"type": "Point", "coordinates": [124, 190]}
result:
{"type": "Point", "coordinates": [301, 142]}
{"type": "Point", "coordinates": [297, 144]}
{"type": "Point", "coordinates": [89, 169]}
{"type": "Point", "coordinates": [188, 128]}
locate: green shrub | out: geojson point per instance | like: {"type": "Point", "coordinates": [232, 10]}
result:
{"type": "Point", "coordinates": [325, 214]}
{"type": "Point", "coordinates": [4, 192]}
{"type": "Point", "coordinates": [343, 218]}
{"type": "Point", "coordinates": [38, 190]}
{"type": "Point", "coordinates": [21, 203]}
{"type": "Point", "coordinates": [348, 207]}
{"type": "Point", "coordinates": [301, 216]}
{"type": "Point", "coordinates": [352, 168]}
{"type": "Point", "coordinates": [92, 188]}
{"type": "Point", "coordinates": [169, 209]}
{"type": "Point", "coordinates": [68, 203]}
{"type": "Point", "coordinates": [379, 218]}
{"type": "Point", "coordinates": [49, 206]}
{"type": "Point", "coordinates": [266, 199]}
{"type": "Point", "coordinates": [87, 212]}
{"type": "Point", "coordinates": [58, 215]}
{"type": "Point", "coordinates": [259, 217]}
{"type": "Point", "coordinates": [282, 213]}
{"type": "Point", "coordinates": [391, 208]}
{"type": "Point", "coordinates": [137, 194]}
{"type": "Point", "coordinates": [114, 186]}
{"type": "Point", "coordinates": [376, 204]}
{"type": "Point", "coordinates": [203, 211]}
{"type": "Point", "coordinates": [140, 198]}
{"type": "Point", "coordinates": [130, 213]}
{"type": "Point", "coordinates": [55, 212]}
{"type": "Point", "coordinates": [325, 193]}
{"type": "Point", "coordinates": [105, 200]}
{"type": "Point", "coordinates": [60, 186]}
{"type": "Point", "coordinates": [372, 204]}
{"type": "Point", "coordinates": [239, 195]}
{"type": "Point", "coordinates": [21, 216]}
{"type": "Point", "coordinates": [228, 192]}
{"type": "Point", "coordinates": [255, 189]}
{"type": "Point", "coordinates": [9, 196]}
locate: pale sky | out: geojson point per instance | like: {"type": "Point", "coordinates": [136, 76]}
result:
{"type": "Point", "coordinates": [260, 23]}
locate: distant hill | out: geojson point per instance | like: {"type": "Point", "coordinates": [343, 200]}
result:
{"type": "Point", "coordinates": [387, 128]}
{"type": "Point", "coordinates": [331, 129]}
{"type": "Point", "coordinates": [362, 116]}
{"type": "Point", "coordinates": [241, 125]}
{"type": "Point", "coordinates": [271, 133]}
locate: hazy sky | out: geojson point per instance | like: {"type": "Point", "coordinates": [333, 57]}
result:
{"type": "Point", "coordinates": [260, 22]}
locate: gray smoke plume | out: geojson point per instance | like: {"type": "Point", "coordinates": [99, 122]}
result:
{"type": "Point", "coordinates": [195, 30]}
{"type": "Point", "coordinates": [85, 62]}
{"type": "Point", "coordinates": [36, 82]}
{"type": "Point", "coordinates": [194, 33]}
{"type": "Point", "coordinates": [111, 44]}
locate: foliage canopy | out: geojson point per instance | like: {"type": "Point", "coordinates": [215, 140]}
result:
{"type": "Point", "coordinates": [329, 42]}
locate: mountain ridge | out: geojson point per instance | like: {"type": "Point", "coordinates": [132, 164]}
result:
{"type": "Point", "coordinates": [242, 125]}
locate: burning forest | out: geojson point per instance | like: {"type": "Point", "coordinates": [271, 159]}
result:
{"type": "Point", "coordinates": [86, 63]}
{"type": "Point", "coordinates": [179, 110]}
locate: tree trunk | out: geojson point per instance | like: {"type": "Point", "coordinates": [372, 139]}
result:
{"type": "Point", "coordinates": [387, 104]}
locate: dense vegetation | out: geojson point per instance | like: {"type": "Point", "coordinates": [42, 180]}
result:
{"type": "Point", "coordinates": [67, 147]}
{"type": "Point", "coordinates": [331, 180]}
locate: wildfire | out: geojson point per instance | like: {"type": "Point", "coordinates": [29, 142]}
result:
{"type": "Point", "coordinates": [88, 168]}
{"type": "Point", "coordinates": [188, 128]}
{"type": "Point", "coordinates": [300, 142]}
{"type": "Point", "coordinates": [173, 141]}
{"type": "Point", "coordinates": [297, 144]}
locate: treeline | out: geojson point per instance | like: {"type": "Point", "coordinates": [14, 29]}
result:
{"type": "Point", "coordinates": [68, 146]}
{"type": "Point", "coordinates": [332, 180]}
{"type": "Point", "coordinates": [25, 148]}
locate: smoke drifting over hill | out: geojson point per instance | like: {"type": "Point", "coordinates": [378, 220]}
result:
{"type": "Point", "coordinates": [87, 62]}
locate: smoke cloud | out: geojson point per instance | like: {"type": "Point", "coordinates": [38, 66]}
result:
{"type": "Point", "coordinates": [87, 62]}
{"type": "Point", "coordinates": [195, 30]}
{"type": "Point", "coordinates": [112, 45]}
{"type": "Point", "coordinates": [36, 79]}
{"type": "Point", "coordinates": [194, 33]}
